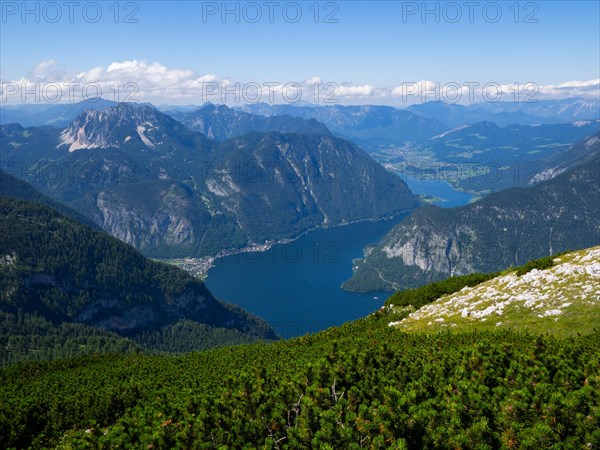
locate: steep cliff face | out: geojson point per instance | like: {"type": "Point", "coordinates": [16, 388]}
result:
{"type": "Point", "coordinates": [503, 229]}
{"type": "Point", "coordinates": [258, 187]}
{"type": "Point", "coordinates": [172, 192]}
{"type": "Point", "coordinates": [415, 247]}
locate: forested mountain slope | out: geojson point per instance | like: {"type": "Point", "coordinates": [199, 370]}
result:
{"type": "Point", "coordinates": [55, 272]}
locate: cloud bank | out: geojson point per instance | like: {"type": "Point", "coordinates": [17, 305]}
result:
{"type": "Point", "coordinates": [142, 81]}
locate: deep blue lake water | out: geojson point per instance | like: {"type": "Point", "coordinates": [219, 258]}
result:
{"type": "Point", "coordinates": [296, 286]}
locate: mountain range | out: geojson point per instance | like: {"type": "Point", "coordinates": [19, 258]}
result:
{"type": "Point", "coordinates": [456, 115]}
{"type": "Point", "coordinates": [152, 182]}
{"type": "Point", "coordinates": [503, 229]}
{"type": "Point", "coordinates": [484, 157]}
{"type": "Point", "coordinates": [371, 127]}
{"type": "Point", "coordinates": [341, 119]}
{"type": "Point", "coordinates": [58, 115]}
{"type": "Point", "coordinates": [107, 315]}
{"type": "Point", "coordinates": [505, 113]}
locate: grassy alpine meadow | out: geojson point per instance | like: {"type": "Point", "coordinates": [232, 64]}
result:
{"type": "Point", "coordinates": [559, 295]}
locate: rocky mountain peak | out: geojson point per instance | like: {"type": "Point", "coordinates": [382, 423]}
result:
{"type": "Point", "coordinates": [119, 125]}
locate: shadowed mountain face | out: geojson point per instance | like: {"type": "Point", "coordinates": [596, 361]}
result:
{"type": "Point", "coordinates": [503, 229]}
{"type": "Point", "coordinates": [11, 187]}
{"type": "Point", "coordinates": [169, 191]}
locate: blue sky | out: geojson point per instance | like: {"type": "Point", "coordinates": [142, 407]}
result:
{"type": "Point", "coordinates": [370, 44]}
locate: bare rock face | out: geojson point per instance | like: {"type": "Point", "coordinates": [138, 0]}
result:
{"type": "Point", "coordinates": [117, 126]}
{"type": "Point", "coordinates": [111, 315]}
{"type": "Point", "coordinates": [433, 250]}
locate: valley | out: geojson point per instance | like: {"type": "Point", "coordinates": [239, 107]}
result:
{"type": "Point", "coordinates": [300, 225]}
{"type": "Point", "coordinates": [231, 273]}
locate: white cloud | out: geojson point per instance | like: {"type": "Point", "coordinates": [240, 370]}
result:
{"type": "Point", "coordinates": [47, 71]}
{"type": "Point", "coordinates": [365, 90]}
{"type": "Point", "coordinates": [574, 88]}
{"type": "Point", "coordinates": [469, 92]}
{"type": "Point", "coordinates": [136, 80]}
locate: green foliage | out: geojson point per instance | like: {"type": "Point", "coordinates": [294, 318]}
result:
{"type": "Point", "coordinates": [30, 337]}
{"type": "Point", "coordinates": [12, 187]}
{"type": "Point", "coordinates": [363, 384]}
{"type": "Point", "coordinates": [540, 264]}
{"type": "Point", "coordinates": [186, 336]}
{"type": "Point", "coordinates": [423, 295]}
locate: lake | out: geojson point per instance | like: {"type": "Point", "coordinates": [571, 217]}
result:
{"type": "Point", "coordinates": [437, 188]}
{"type": "Point", "coordinates": [296, 286]}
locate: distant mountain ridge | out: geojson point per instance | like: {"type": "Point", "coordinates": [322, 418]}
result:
{"type": "Point", "coordinates": [559, 111]}
{"type": "Point", "coordinates": [527, 111]}
{"type": "Point", "coordinates": [370, 126]}
{"type": "Point", "coordinates": [505, 113]}
{"type": "Point", "coordinates": [221, 123]}
{"type": "Point", "coordinates": [456, 115]}
{"type": "Point", "coordinates": [58, 115]}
